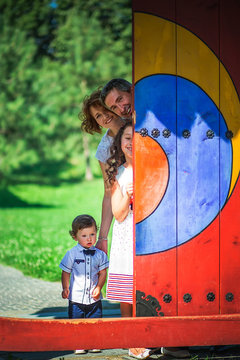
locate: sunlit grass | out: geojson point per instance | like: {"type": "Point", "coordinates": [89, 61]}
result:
{"type": "Point", "coordinates": [34, 237]}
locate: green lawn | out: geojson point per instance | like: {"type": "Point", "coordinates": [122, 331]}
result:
{"type": "Point", "coordinates": [35, 220]}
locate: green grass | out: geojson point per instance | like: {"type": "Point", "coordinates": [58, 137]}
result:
{"type": "Point", "coordinates": [35, 221]}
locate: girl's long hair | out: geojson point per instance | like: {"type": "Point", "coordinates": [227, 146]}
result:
{"type": "Point", "coordinates": [117, 157]}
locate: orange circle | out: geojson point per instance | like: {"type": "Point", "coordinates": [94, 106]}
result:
{"type": "Point", "coordinates": [151, 175]}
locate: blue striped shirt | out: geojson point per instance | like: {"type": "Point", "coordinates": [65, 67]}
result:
{"type": "Point", "coordinates": [84, 271]}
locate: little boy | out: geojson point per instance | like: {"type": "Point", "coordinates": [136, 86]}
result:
{"type": "Point", "coordinates": [87, 267]}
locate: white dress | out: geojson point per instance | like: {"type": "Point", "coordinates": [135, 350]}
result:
{"type": "Point", "coordinates": [120, 275]}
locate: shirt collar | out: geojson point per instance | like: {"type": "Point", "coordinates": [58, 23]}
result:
{"type": "Point", "coordinates": [81, 248]}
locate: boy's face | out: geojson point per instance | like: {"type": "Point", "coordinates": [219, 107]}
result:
{"type": "Point", "coordinates": [86, 237]}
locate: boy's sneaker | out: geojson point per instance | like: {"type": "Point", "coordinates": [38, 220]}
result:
{"type": "Point", "coordinates": [94, 350]}
{"type": "Point", "coordinates": [80, 351]}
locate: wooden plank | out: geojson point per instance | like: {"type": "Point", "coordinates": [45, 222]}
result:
{"type": "Point", "coordinates": [230, 107]}
{"type": "Point", "coordinates": [155, 162]}
{"type": "Point", "coordinates": [197, 159]}
{"type": "Point", "coordinates": [53, 335]}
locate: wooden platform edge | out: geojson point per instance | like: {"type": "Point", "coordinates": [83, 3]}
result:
{"type": "Point", "coordinates": [114, 333]}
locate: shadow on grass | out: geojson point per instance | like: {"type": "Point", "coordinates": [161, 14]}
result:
{"type": "Point", "coordinates": [46, 173]}
{"type": "Point", "coordinates": [9, 200]}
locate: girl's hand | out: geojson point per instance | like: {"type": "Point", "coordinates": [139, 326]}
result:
{"type": "Point", "coordinates": [65, 293]}
{"type": "Point", "coordinates": [129, 189]}
{"type": "Point", "coordinates": [96, 293]}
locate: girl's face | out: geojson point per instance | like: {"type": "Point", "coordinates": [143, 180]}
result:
{"type": "Point", "coordinates": [126, 142]}
{"type": "Point", "coordinates": [103, 117]}
{"type": "Point", "coordinates": [86, 237]}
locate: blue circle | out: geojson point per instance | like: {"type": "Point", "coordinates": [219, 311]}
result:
{"type": "Point", "coordinates": [199, 165]}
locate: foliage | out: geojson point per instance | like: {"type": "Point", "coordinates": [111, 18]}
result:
{"type": "Point", "coordinates": [52, 55]}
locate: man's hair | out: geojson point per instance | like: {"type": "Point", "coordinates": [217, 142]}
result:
{"type": "Point", "coordinates": [119, 84]}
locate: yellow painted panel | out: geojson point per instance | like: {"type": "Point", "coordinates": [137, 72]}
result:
{"type": "Point", "coordinates": [154, 46]}
{"type": "Point", "coordinates": [196, 62]}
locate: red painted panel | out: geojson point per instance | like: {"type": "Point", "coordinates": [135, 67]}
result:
{"type": "Point", "coordinates": [230, 254]}
{"type": "Point", "coordinates": [53, 335]}
{"type": "Point", "coordinates": [198, 273]}
{"type": "Point", "coordinates": [161, 282]}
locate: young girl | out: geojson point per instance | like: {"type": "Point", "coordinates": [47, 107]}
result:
{"type": "Point", "coordinates": [120, 276]}
{"type": "Point", "coordinates": [96, 116]}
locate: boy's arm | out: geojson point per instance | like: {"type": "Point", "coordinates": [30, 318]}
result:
{"type": "Point", "coordinates": [65, 284]}
{"type": "Point", "coordinates": [101, 281]}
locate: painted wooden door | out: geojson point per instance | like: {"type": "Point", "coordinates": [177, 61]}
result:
{"type": "Point", "coordinates": [187, 157]}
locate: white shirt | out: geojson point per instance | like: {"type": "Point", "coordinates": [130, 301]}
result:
{"type": "Point", "coordinates": [103, 150]}
{"type": "Point", "coordinates": [84, 272]}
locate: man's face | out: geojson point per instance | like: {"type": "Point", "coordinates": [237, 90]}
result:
{"type": "Point", "coordinates": [119, 102]}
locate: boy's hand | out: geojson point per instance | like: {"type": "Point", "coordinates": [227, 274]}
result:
{"type": "Point", "coordinates": [96, 293]}
{"type": "Point", "coordinates": [65, 293]}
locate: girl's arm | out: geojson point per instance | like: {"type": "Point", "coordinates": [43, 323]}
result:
{"type": "Point", "coordinates": [101, 281]}
{"type": "Point", "coordinates": [65, 284]}
{"type": "Point", "coordinates": [120, 202]}
{"type": "Point", "coordinates": [107, 215]}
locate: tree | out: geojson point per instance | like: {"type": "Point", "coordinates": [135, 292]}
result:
{"type": "Point", "coordinates": [53, 54]}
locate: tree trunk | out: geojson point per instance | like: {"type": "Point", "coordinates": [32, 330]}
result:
{"type": "Point", "coordinates": [86, 152]}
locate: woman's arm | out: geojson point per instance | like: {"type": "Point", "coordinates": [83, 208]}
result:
{"type": "Point", "coordinates": [120, 202]}
{"type": "Point", "coordinates": [107, 216]}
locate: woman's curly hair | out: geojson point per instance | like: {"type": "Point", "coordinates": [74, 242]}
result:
{"type": "Point", "coordinates": [117, 156]}
{"type": "Point", "coordinates": [89, 124]}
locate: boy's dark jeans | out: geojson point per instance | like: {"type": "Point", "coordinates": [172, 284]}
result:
{"type": "Point", "coordinates": [80, 311]}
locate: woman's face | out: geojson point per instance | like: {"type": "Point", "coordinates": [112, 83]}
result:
{"type": "Point", "coordinates": [126, 142]}
{"type": "Point", "coordinates": [103, 117]}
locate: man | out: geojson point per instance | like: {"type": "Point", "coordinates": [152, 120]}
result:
{"type": "Point", "coordinates": [117, 96]}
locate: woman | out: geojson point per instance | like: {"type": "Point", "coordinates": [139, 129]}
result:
{"type": "Point", "coordinates": [94, 117]}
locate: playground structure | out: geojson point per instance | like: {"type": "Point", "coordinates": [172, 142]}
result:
{"type": "Point", "coordinates": [187, 187]}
